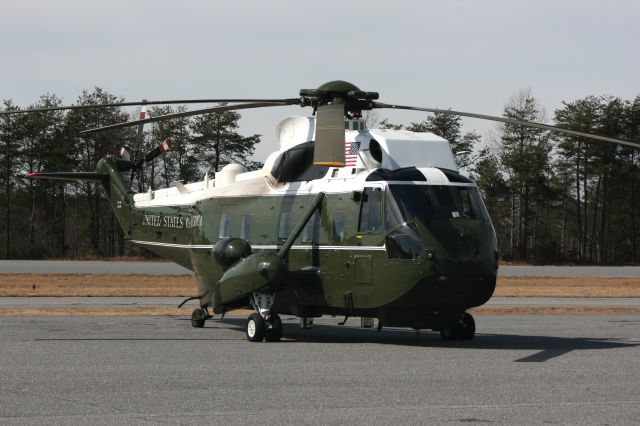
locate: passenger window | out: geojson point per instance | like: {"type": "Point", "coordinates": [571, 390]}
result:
{"type": "Point", "coordinates": [225, 226]}
{"type": "Point", "coordinates": [338, 226]}
{"type": "Point", "coordinates": [284, 227]}
{"type": "Point", "coordinates": [311, 229]}
{"type": "Point", "coordinates": [245, 226]}
{"type": "Point", "coordinates": [370, 210]}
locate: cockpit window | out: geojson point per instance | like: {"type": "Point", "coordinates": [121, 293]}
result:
{"type": "Point", "coordinates": [426, 202]}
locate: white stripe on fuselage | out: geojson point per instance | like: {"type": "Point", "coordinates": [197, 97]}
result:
{"type": "Point", "coordinates": [260, 247]}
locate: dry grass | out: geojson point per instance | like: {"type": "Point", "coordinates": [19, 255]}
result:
{"type": "Point", "coordinates": [587, 310]}
{"type": "Point", "coordinates": [164, 311]}
{"type": "Point", "coordinates": [184, 286]}
{"type": "Point", "coordinates": [96, 285]}
{"type": "Point", "coordinates": [567, 287]}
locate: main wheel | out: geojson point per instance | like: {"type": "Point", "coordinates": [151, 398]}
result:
{"type": "Point", "coordinates": [449, 332]}
{"type": "Point", "coordinates": [255, 328]}
{"type": "Point", "coordinates": [273, 332]}
{"type": "Point", "coordinates": [198, 317]}
{"type": "Point", "coordinates": [466, 327]}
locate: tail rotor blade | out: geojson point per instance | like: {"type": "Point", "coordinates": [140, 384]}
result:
{"type": "Point", "coordinates": [143, 116]}
{"type": "Point", "coordinates": [159, 150]}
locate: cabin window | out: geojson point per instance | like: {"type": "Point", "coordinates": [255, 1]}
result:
{"type": "Point", "coordinates": [339, 220]}
{"type": "Point", "coordinates": [245, 226]}
{"type": "Point", "coordinates": [311, 229]}
{"type": "Point", "coordinates": [225, 225]}
{"type": "Point", "coordinates": [284, 226]}
{"type": "Point", "coordinates": [370, 210]}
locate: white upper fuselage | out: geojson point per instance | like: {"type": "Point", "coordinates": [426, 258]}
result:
{"type": "Point", "coordinates": [400, 148]}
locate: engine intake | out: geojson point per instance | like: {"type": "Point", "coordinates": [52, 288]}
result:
{"type": "Point", "coordinates": [228, 251]}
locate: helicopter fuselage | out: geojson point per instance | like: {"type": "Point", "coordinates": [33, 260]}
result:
{"type": "Point", "coordinates": [412, 247]}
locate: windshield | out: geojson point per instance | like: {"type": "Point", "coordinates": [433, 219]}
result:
{"type": "Point", "coordinates": [427, 202]}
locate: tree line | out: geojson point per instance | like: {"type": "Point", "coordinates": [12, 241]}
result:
{"type": "Point", "coordinates": [552, 197]}
{"type": "Point", "coordinates": [42, 218]}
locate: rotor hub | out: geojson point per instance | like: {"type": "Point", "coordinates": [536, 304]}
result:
{"type": "Point", "coordinates": [339, 91]}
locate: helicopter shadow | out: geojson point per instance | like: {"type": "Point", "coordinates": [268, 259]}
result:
{"type": "Point", "coordinates": [547, 347]}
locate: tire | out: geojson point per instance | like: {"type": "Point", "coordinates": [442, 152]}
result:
{"type": "Point", "coordinates": [449, 333]}
{"type": "Point", "coordinates": [255, 328]}
{"type": "Point", "coordinates": [198, 317]}
{"type": "Point", "coordinates": [466, 327]}
{"type": "Point", "coordinates": [273, 333]}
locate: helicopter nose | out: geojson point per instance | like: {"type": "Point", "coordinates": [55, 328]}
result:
{"type": "Point", "coordinates": [466, 291]}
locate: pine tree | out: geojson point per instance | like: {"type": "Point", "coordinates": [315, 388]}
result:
{"type": "Point", "coordinates": [179, 163]}
{"type": "Point", "coordinates": [9, 159]}
{"type": "Point", "coordinates": [44, 149]}
{"type": "Point", "coordinates": [105, 236]}
{"type": "Point", "coordinates": [218, 142]}
{"type": "Point", "coordinates": [525, 157]}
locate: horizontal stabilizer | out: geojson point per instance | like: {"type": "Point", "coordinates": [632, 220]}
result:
{"type": "Point", "coordinates": [92, 176]}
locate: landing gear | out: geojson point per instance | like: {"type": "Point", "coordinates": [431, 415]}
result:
{"type": "Point", "coordinates": [269, 329]}
{"type": "Point", "coordinates": [262, 324]}
{"type": "Point", "coordinates": [273, 333]}
{"type": "Point", "coordinates": [464, 329]}
{"type": "Point", "coordinates": [255, 328]}
{"type": "Point", "coordinates": [198, 317]}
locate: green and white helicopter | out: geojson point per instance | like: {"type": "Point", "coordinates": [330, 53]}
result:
{"type": "Point", "coordinates": [341, 220]}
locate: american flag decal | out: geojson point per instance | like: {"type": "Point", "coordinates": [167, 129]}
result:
{"type": "Point", "coordinates": [351, 153]}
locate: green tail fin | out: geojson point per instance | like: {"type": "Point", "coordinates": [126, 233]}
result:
{"type": "Point", "coordinates": [108, 175]}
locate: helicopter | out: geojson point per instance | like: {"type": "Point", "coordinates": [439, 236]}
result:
{"type": "Point", "coordinates": [341, 220]}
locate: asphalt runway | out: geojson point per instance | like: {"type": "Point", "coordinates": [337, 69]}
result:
{"type": "Point", "coordinates": [167, 268]}
{"type": "Point", "coordinates": [568, 369]}
{"type": "Point", "coordinates": [114, 302]}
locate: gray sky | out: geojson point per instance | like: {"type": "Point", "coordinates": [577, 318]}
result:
{"type": "Point", "coordinates": [466, 55]}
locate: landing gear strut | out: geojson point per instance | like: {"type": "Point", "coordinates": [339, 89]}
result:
{"type": "Point", "coordinates": [464, 329]}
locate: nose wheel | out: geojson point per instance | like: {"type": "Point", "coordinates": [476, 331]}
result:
{"type": "Point", "coordinates": [464, 329]}
{"type": "Point", "coordinates": [199, 316]}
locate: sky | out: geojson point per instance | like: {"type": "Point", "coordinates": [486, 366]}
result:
{"type": "Point", "coordinates": [467, 55]}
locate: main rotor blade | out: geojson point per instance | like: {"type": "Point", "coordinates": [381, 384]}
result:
{"type": "Point", "coordinates": [329, 146]}
{"type": "Point", "coordinates": [143, 102]}
{"type": "Point", "coordinates": [220, 108]}
{"type": "Point", "coordinates": [510, 121]}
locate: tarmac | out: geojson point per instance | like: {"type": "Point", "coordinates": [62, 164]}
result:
{"type": "Point", "coordinates": [167, 268]}
{"type": "Point", "coordinates": [112, 302]}
{"type": "Point", "coordinates": [520, 369]}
